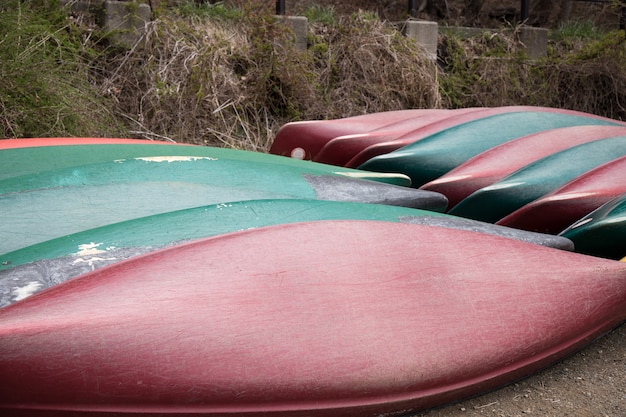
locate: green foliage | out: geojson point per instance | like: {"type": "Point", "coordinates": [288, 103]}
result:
{"type": "Point", "coordinates": [207, 10]}
{"type": "Point", "coordinates": [45, 76]}
{"type": "Point", "coordinates": [231, 76]}
{"type": "Point", "coordinates": [576, 30]}
{"type": "Point", "coordinates": [588, 75]}
{"type": "Point", "coordinates": [319, 14]}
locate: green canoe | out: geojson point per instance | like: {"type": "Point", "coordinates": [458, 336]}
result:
{"type": "Point", "coordinates": [429, 158]}
{"type": "Point", "coordinates": [498, 200]}
{"type": "Point", "coordinates": [53, 203]}
{"type": "Point", "coordinates": [23, 161]}
{"type": "Point", "coordinates": [28, 270]}
{"type": "Point", "coordinates": [601, 232]}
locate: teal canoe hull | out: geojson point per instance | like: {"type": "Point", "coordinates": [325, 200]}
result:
{"type": "Point", "coordinates": [602, 232]}
{"type": "Point", "coordinates": [500, 199]}
{"type": "Point", "coordinates": [89, 196]}
{"type": "Point", "coordinates": [435, 155]}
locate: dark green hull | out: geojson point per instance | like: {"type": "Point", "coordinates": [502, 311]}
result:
{"type": "Point", "coordinates": [602, 232]}
{"type": "Point", "coordinates": [500, 199]}
{"type": "Point", "coordinates": [431, 157]}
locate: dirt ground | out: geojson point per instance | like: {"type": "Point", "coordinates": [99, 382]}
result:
{"type": "Point", "coordinates": [591, 383]}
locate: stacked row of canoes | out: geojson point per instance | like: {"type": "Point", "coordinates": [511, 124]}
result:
{"type": "Point", "coordinates": [141, 278]}
{"type": "Point", "coordinates": [538, 169]}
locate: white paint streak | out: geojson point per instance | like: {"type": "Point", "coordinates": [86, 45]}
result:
{"type": "Point", "coordinates": [26, 291]}
{"type": "Point", "coordinates": [366, 175]}
{"type": "Point", "coordinates": [91, 261]}
{"type": "Point", "coordinates": [89, 249]}
{"type": "Point", "coordinates": [170, 159]}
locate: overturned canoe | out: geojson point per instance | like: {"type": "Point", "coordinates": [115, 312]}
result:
{"type": "Point", "coordinates": [303, 140]}
{"type": "Point", "coordinates": [342, 149]}
{"type": "Point", "coordinates": [220, 327]}
{"type": "Point", "coordinates": [458, 118]}
{"type": "Point", "coordinates": [496, 163]}
{"type": "Point", "coordinates": [433, 156]}
{"type": "Point", "coordinates": [562, 207]}
{"type": "Point", "coordinates": [500, 199]}
{"type": "Point", "coordinates": [31, 269]}
{"type": "Point", "coordinates": [89, 196]}
{"type": "Point", "coordinates": [39, 142]}
{"type": "Point", "coordinates": [601, 232]}
{"type": "Point", "coordinates": [27, 157]}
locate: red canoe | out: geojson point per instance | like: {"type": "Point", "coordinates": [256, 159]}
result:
{"type": "Point", "coordinates": [496, 163]}
{"type": "Point", "coordinates": [338, 151]}
{"type": "Point", "coordinates": [37, 142]}
{"type": "Point", "coordinates": [324, 321]}
{"type": "Point", "coordinates": [308, 137]}
{"type": "Point", "coordinates": [559, 209]}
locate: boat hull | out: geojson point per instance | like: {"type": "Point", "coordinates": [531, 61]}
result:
{"type": "Point", "coordinates": [431, 157]}
{"type": "Point", "coordinates": [496, 163]}
{"type": "Point", "coordinates": [344, 328]}
{"type": "Point", "coordinates": [559, 209]}
{"type": "Point", "coordinates": [500, 199]}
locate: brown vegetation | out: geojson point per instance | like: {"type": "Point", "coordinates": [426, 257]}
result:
{"type": "Point", "coordinates": [211, 82]}
{"type": "Point", "coordinates": [223, 76]}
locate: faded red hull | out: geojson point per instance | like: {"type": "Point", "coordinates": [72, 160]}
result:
{"type": "Point", "coordinates": [451, 122]}
{"type": "Point", "coordinates": [557, 210]}
{"type": "Point", "coordinates": [36, 142]}
{"type": "Point", "coordinates": [312, 135]}
{"type": "Point", "coordinates": [500, 161]}
{"type": "Point", "coordinates": [340, 150]}
{"type": "Point", "coordinates": [324, 320]}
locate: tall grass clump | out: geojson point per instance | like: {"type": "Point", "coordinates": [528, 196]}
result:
{"type": "Point", "coordinates": [585, 70]}
{"type": "Point", "coordinates": [46, 84]}
{"type": "Point", "coordinates": [590, 77]}
{"type": "Point", "coordinates": [234, 80]}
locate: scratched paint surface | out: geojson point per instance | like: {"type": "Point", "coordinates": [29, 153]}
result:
{"type": "Point", "coordinates": [156, 319]}
{"type": "Point", "coordinates": [83, 197]}
{"type": "Point", "coordinates": [59, 259]}
{"type": "Point", "coordinates": [52, 262]}
{"type": "Point", "coordinates": [25, 161]}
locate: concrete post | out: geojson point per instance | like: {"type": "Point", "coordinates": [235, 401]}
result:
{"type": "Point", "coordinates": [535, 41]}
{"type": "Point", "coordinates": [424, 32]}
{"type": "Point", "coordinates": [300, 26]}
{"type": "Point", "coordinates": [126, 20]}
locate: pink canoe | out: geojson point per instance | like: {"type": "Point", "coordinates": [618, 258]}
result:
{"type": "Point", "coordinates": [559, 209]}
{"type": "Point", "coordinates": [330, 318]}
{"type": "Point", "coordinates": [450, 123]}
{"type": "Point", "coordinates": [496, 163]}
{"type": "Point", "coordinates": [338, 151]}
{"type": "Point", "coordinates": [303, 140]}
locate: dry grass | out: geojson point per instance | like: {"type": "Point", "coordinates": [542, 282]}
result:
{"type": "Point", "coordinates": [225, 77]}
{"type": "Point", "coordinates": [212, 82]}
{"type": "Point", "coordinates": [493, 70]}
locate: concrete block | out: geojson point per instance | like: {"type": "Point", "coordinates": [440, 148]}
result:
{"type": "Point", "coordinates": [126, 20]}
{"type": "Point", "coordinates": [83, 6]}
{"type": "Point", "coordinates": [535, 41]}
{"type": "Point", "coordinates": [424, 32]}
{"type": "Point", "coordinates": [300, 27]}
